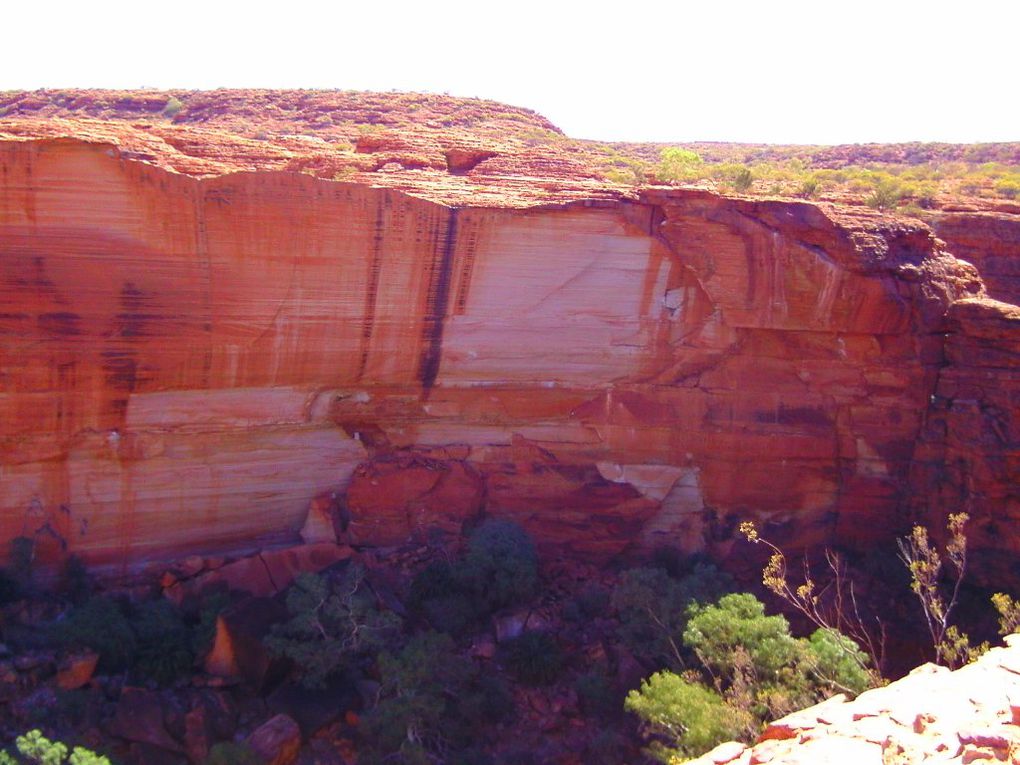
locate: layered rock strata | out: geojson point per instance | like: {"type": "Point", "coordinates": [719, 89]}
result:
{"type": "Point", "coordinates": [186, 363]}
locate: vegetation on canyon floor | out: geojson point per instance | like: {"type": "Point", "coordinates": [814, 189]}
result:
{"type": "Point", "coordinates": [473, 654]}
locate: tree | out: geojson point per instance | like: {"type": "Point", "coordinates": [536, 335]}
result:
{"type": "Point", "coordinates": [684, 718]}
{"type": "Point", "coordinates": [332, 620]}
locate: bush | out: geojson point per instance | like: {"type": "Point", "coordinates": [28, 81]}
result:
{"type": "Point", "coordinates": [678, 164]}
{"type": "Point", "coordinates": [36, 749]}
{"type": "Point", "coordinates": [332, 621]}
{"type": "Point", "coordinates": [690, 717]}
{"type": "Point", "coordinates": [99, 624]}
{"type": "Point", "coordinates": [596, 694]}
{"type": "Point", "coordinates": [173, 106]}
{"type": "Point", "coordinates": [739, 621]}
{"type": "Point", "coordinates": [229, 753]}
{"type": "Point", "coordinates": [419, 686]}
{"type": "Point", "coordinates": [75, 581]}
{"type": "Point", "coordinates": [535, 658]}
{"type": "Point", "coordinates": [164, 642]}
{"type": "Point", "coordinates": [743, 179]}
{"type": "Point", "coordinates": [652, 607]}
{"type": "Point", "coordinates": [501, 565]}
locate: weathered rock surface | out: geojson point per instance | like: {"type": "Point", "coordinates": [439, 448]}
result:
{"type": "Point", "coordinates": [186, 363]}
{"type": "Point", "coordinates": [932, 715]}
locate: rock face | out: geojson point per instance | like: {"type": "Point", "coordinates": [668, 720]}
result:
{"type": "Point", "coordinates": [932, 715]}
{"type": "Point", "coordinates": [187, 363]}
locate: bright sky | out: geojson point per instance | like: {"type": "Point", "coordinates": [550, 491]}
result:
{"type": "Point", "coordinates": [780, 71]}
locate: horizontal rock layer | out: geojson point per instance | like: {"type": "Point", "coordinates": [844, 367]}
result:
{"type": "Point", "coordinates": [185, 364]}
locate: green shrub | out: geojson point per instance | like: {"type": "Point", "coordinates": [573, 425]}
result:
{"type": "Point", "coordinates": [678, 164]}
{"type": "Point", "coordinates": [36, 749]}
{"type": "Point", "coordinates": [75, 581]}
{"type": "Point", "coordinates": [739, 620]}
{"type": "Point", "coordinates": [885, 195]}
{"type": "Point", "coordinates": [101, 625]}
{"type": "Point", "coordinates": [332, 620]}
{"type": "Point", "coordinates": [743, 179]}
{"type": "Point", "coordinates": [164, 653]}
{"type": "Point", "coordinates": [501, 565]}
{"type": "Point", "coordinates": [589, 603]}
{"type": "Point", "coordinates": [22, 559]}
{"type": "Point", "coordinates": [596, 695]}
{"type": "Point", "coordinates": [690, 717]}
{"type": "Point", "coordinates": [229, 753]}
{"type": "Point", "coordinates": [652, 608]}
{"type": "Point", "coordinates": [837, 663]}
{"type": "Point", "coordinates": [419, 686]}
{"type": "Point", "coordinates": [10, 589]}
{"type": "Point", "coordinates": [173, 106]}
{"type": "Point", "coordinates": [535, 658]}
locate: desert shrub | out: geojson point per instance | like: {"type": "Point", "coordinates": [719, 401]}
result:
{"type": "Point", "coordinates": [605, 748]}
{"type": "Point", "coordinates": [837, 663]}
{"type": "Point", "coordinates": [75, 582]}
{"type": "Point", "coordinates": [10, 589]}
{"type": "Point", "coordinates": [501, 565]}
{"type": "Point", "coordinates": [596, 694]}
{"type": "Point", "coordinates": [101, 625]}
{"type": "Point", "coordinates": [36, 749]}
{"type": "Point", "coordinates": [761, 668]}
{"type": "Point", "coordinates": [676, 164]}
{"type": "Point", "coordinates": [1009, 613]}
{"type": "Point", "coordinates": [419, 686]}
{"type": "Point", "coordinates": [534, 657]}
{"type": "Point", "coordinates": [332, 621]}
{"type": "Point", "coordinates": [1008, 187]}
{"type": "Point", "coordinates": [500, 568]}
{"type": "Point", "coordinates": [885, 195]}
{"type": "Point", "coordinates": [439, 594]}
{"type": "Point", "coordinates": [173, 107]}
{"type": "Point", "coordinates": [229, 753]}
{"type": "Point", "coordinates": [809, 187]}
{"type": "Point", "coordinates": [739, 620]}
{"type": "Point", "coordinates": [743, 179]}
{"type": "Point", "coordinates": [164, 642]}
{"type": "Point", "coordinates": [686, 717]}
{"type": "Point", "coordinates": [588, 603]}
{"type": "Point", "coordinates": [21, 555]}
{"type": "Point", "coordinates": [652, 608]}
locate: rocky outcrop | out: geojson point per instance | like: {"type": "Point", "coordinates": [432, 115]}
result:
{"type": "Point", "coordinates": [188, 362]}
{"type": "Point", "coordinates": [991, 241]}
{"type": "Point", "coordinates": [932, 715]}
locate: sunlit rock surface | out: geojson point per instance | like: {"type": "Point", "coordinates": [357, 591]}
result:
{"type": "Point", "coordinates": [931, 715]}
{"type": "Point", "coordinates": [186, 363]}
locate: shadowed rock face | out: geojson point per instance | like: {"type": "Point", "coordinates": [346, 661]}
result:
{"type": "Point", "coordinates": [185, 364]}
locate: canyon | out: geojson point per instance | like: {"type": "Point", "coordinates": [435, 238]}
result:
{"type": "Point", "coordinates": [210, 346]}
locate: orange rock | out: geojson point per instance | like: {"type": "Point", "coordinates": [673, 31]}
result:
{"type": "Point", "coordinates": [191, 358]}
{"type": "Point", "coordinates": [277, 741]}
{"type": "Point", "coordinates": [76, 670]}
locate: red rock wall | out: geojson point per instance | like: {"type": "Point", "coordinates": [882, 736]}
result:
{"type": "Point", "coordinates": [991, 241]}
{"type": "Point", "coordinates": [186, 363]}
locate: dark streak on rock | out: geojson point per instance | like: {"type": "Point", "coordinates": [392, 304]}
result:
{"type": "Point", "coordinates": [372, 294]}
{"type": "Point", "coordinates": [436, 307]}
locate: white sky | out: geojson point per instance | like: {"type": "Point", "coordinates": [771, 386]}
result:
{"type": "Point", "coordinates": [783, 71]}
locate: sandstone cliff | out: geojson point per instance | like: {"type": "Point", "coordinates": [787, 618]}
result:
{"type": "Point", "coordinates": [190, 355]}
